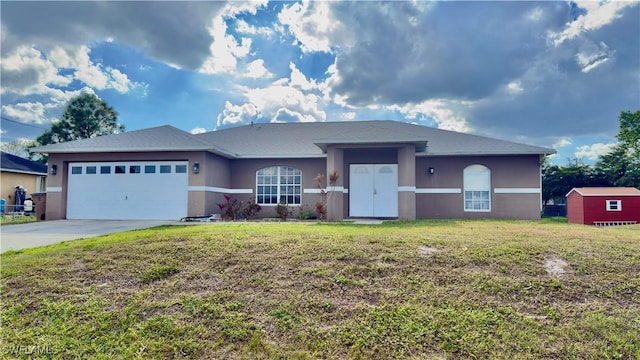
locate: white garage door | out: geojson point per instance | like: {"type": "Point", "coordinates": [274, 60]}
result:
{"type": "Point", "coordinates": [127, 190]}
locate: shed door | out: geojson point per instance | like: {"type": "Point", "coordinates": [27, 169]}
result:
{"type": "Point", "coordinates": [373, 190]}
{"type": "Point", "coordinates": [127, 190]}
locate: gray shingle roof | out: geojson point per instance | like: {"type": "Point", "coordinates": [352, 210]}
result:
{"type": "Point", "coordinates": [306, 139]}
{"type": "Point", "coordinates": [298, 140]}
{"type": "Point", "coordinates": [163, 138]}
{"type": "Point", "coordinates": [13, 163]}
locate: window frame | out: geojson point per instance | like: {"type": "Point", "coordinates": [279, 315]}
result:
{"type": "Point", "coordinates": [471, 190]}
{"type": "Point", "coordinates": [281, 171]}
{"type": "Point", "coordinates": [610, 202]}
{"type": "Point", "coordinates": [41, 184]}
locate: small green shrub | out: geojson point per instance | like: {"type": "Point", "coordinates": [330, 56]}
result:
{"type": "Point", "coordinates": [305, 214]}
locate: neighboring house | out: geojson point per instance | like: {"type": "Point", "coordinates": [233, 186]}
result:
{"type": "Point", "coordinates": [603, 206]}
{"type": "Point", "coordinates": [386, 169]}
{"type": "Point", "coordinates": [17, 171]}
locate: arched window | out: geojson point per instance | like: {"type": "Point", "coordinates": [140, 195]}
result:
{"type": "Point", "coordinates": [477, 188]}
{"type": "Point", "coordinates": [278, 184]}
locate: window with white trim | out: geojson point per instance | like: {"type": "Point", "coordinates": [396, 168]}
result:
{"type": "Point", "coordinates": [41, 184]}
{"type": "Point", "coordinates": [477, 188]}
{"type": "Point", "coordinates": [614, 205]}
{"type": "Point", "coordinates": [279, 184]}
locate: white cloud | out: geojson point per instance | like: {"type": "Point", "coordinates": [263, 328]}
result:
{"type": "Point", "coordinates": [286, 115]}
{"type": "Point", "coordinates": [43, 112]}
{"type": "Point", "coordinates": [249, 7]}
{"type": "Point", "coordinates": [244, 27]}
{"type": "Point", "coordinates": [198, 130]}
{"type": "Point", "coordinates": [562, 142]}
{"type": "Point", "coordinates": [593, 56]}
{"type": "Point", "coordinates": [515, 87]}
{"type": "Point", "coordinates": [27, 71]}
{"type": "Point", "coordinates": [299, 80]}
{"type": "Point", "coordinates": [256, 69]}
{"type": "Point", "coordinates": [311, 23]}
{"type": "Point", "coordinates": [593, 152]}
{"type": "Point", "coordinates": [598, 14]}
{"type": "Point", "coordinates": [236, 114]}
{"type": "Point", "coordinates": [29, 112]}
{"type": "Point", "coordinates": [445, 113]}
{"type": "Point", "coordinates": [226, 49]}
{"type": "Point", "coordinates": [535, 15]}
{"type": "Point", "coordinates": [284, 100]}
{"type": "Point", "coordinates": [348, 115]}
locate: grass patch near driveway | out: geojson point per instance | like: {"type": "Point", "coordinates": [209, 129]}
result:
{"type": "Point", "coordinates": [10, 219]}
{"type": "Point", "coordinates": [425, 289]}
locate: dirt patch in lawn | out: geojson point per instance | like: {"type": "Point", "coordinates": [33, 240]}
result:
{"type": "Point", "coordinates": [556, 266]}
{"type": "Point", "coordinates": [427, 250]}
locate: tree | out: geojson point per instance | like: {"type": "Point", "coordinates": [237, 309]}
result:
{"type": "Point", "coordinates": [629, 135]}
{"type": "Point", "coordinates": [85, 116]}
{"type": "Point", "coordinates": [557, 180]}
{"type": "Point", "coordinates": [621, 165]}
{"type": "Point", "coordinates": [18, 148]}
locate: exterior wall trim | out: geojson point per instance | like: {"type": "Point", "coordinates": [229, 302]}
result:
{"type": "Point", "coordinates": [516, 190]}
{"type": "Point", "coordinates": [317, 191]}
{"type": "Point", "coordinates": [216, 189]}
{"type": "Point", "coordinates": [439, 191]}
{"type": "Point", "coordinates": [54, 189]}
{"type": "Point", "coordinates": [407, 189]}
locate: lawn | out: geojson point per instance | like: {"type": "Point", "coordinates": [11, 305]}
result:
{"type": "Point", "coordinates": [425, 289]}
{"type": "Point", "coordinates": [10, 219]}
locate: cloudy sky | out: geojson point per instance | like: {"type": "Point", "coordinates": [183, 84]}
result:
{"type": "Point", "coordinates": [546, 73]}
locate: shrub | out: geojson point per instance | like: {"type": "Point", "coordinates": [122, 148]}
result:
{"type": "Point", "coordinates": [305, 214]}
{"type": "Point", "coordinates": [233, 209]}
{"type": "Point", "coordinates": [251, 209]}
{"type": "Point", "coordinates": [283, 211]}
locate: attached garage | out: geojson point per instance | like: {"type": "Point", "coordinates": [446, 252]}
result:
{"type": "Point", "coordinates": [127, 190]}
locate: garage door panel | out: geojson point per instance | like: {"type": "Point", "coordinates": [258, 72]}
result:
{"type": "Point", "coordinates": [129, 194]}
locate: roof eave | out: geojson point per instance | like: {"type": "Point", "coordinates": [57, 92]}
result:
{"type": "Point", "coordinates": [484, 153]}
{"type": "Point", "coordinates": [24, 172]}
{"type": "Point", "coordinates": [282, 156]}
{"type": "Point", "coordinates": [136, 149]}
{"type": "Point", "coordinates": [421, 143]}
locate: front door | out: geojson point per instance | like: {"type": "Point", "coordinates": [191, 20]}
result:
{"type": "Point", "coordinates": [373, 190]}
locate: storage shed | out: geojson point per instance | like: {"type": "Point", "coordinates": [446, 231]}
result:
{"type": "Point", "coordinates": [603, 206]}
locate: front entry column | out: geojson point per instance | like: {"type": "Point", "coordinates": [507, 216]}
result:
{"type": "Point", "coordinates": [407, 182]}
{"type": "Point", "coordinates": [335, 192]}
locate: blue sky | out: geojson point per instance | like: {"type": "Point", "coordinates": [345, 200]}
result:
{"type": "Point", "coordinates": [553, 74]}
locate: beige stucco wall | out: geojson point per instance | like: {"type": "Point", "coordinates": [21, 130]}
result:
{"type": "Point", "coordinates": [219, 175]}
{"type": "Point", "coordinates": [243, 176]}
{"type": "Point", "coordinates": [506, 172]}
{"type": "Point", "coordinates": [9, 181]}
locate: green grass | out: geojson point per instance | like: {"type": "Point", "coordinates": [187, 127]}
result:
{"type": "Point", "coordinates": [9, 219]}
{"type": "Point", "coordinates": [307, 291]}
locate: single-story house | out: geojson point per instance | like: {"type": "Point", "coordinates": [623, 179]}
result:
{"type": "Point", "coordinates": [385, 169]}
{"type": "Point", "coordinates": [16, 171]}
{"type": "Point", "coordinates": [603, 205]}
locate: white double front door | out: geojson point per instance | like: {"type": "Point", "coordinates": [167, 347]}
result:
{"type": "Point", "coordinates": [373, 190]}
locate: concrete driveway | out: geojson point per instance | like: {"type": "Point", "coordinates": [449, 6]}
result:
{"type": "Point", "coordinates": [22, 236]}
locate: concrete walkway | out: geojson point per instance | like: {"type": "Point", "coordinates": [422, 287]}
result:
{"type": "Point", "coordinates": [22, 236]}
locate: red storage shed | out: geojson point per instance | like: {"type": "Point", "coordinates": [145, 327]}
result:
{"type": "Point", "coordinates": [603, 206]}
